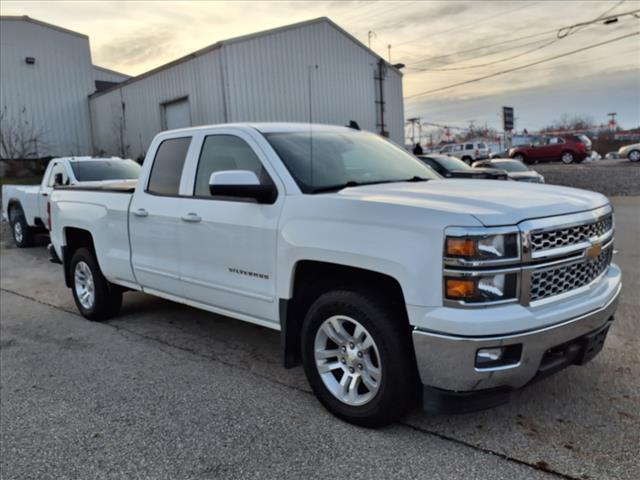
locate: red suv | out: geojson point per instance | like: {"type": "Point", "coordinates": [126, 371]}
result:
{"type": "Point", "coordinates": [567, 149]}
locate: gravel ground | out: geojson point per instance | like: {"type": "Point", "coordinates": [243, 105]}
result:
{"type": "Point", "coordinates": [609, 177]}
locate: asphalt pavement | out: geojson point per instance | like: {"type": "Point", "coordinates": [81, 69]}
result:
{"type": "Point", "coordinates": [167, 391]}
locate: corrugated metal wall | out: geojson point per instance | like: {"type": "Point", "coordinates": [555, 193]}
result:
{"type": "Point", "coordinates": [52, 92]}
{"type": "Point", "coordinates": [260, 78]}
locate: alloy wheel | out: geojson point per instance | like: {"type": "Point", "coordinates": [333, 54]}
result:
{"type": "Point", "coordinates": [17, 232]}
{"type": "Point", "coordinates": [348, 360]}
{"type": "Point", "coordinates": [84, 286]}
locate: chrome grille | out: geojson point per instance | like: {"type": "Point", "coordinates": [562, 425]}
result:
{"type": "Point", "coordinates": [561, 237]}
{"type": "Point", "coordinates": [551, 282]}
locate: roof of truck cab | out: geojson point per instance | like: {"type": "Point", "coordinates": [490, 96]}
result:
{"type": "Point", "coordinates": [85, 159]}
{"type": "Point", "coordinates": [268, 127]}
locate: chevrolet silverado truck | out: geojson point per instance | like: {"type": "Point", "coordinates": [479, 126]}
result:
{"type": "Point", "coordinates": [25, 206]}
{"type": "Point", "coordinates": [388, 284]}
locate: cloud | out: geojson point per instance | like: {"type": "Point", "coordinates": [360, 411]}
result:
{"type": "Point", "coordinates": [135, 49]}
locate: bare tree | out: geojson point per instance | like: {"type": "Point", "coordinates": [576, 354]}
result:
{"type": "Point", "coordinates": [19, 137]}
{"type": "Point", "coordinates": [570, 122]}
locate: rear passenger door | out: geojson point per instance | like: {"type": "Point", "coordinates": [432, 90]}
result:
{"type": "Point", "coordinates": [228, 245]}
{"type": "Point", "coordinates": [154, 220]}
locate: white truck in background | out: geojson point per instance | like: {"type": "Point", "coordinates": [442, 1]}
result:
{"type": "Point", "coordinates": [25, 206]}
{"type": "Point", "coordinates": [388, 283]}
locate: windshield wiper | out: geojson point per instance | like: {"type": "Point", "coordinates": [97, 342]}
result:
{"type": "Point", "coordinates": [352, 183]}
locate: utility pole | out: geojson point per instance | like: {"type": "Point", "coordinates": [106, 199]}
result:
{"type": "Point", "coordinates": [370, 34]}
{"type": "Point", "coordinates": [389, 49]}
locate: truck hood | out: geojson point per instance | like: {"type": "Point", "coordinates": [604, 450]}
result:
{"type": "Point", "coordinates": [492, 202]}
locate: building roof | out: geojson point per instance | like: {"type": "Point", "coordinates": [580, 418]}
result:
{"type": "Point", "coordinates": [25, 18]}
{"type": "Point", "coordinates": [108, 70]}
{"type": "Point", "coordinates": [242, 38]}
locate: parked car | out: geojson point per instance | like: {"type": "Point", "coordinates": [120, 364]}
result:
{"type": "Point", "coordinates": [451, 167]}
{"type": "Point", "coordinates": [501, 154]}
{"type": "Point", "coordinates": [25, 207]}
{"type": "Point", "coordinates": [467, 152]}
{"type": "Point", "coordinates": [567, 149]}
{"type": "Point", "coordinates": [632, 152]}
{"type": "Point", "coordinates": [380, 276]}
{"type": "Point", "coordinates": [515, 170]}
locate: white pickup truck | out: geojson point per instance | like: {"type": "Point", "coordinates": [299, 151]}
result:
{"type": "Point", "coordinates": [388, 283]}
{"type": "Point", "coordinates": [25, 206]}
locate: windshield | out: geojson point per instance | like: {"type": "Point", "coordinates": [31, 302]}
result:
{"type": "Point", "coordinates": [451, 163]}
{"type": "Point", "coordinates": [510, 166]}
{"type": "Point", "coordinates": [337, 159]}
{"type": "Point", "coordinates": [96, 170]}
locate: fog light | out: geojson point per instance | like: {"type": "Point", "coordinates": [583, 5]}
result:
{"type": "Point", "coordinates": [498, 357]}
{"type": "Point", "coordinates": [489, 355]}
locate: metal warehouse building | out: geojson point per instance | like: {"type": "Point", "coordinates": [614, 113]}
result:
{"type": "Point", "coordinates": [46, 77]}
{"type": "Point", "coordinates": [311, 71]}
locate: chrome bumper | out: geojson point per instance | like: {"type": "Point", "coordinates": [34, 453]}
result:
{"type": "Point", "coordinates": [448, 362]}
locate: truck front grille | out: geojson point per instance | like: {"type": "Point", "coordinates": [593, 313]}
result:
{"type": "Point", "coordinates": [554, 281]}
{"type": "Point", "coordinates": [562, 237]}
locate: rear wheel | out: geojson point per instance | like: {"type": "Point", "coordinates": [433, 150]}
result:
{"type": "Point", "coordinates": [467, 160]}
{"type": "Point", "coordinates": [358, 358]}
{"type": "Point", "coordinates": [23, 234]}
{"type": "Point", "coordinates": [567, 157]}
{"type": "Point", "coordinates": [634, 155]}
{"type": "Point", "coordinates": [95, 297]}
{"type": "Point", "coordinates": [519, 157]}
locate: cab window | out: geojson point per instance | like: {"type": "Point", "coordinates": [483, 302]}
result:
{"type": "Point", "coordinates": [167, 167]}
{"type": "Point", "coordinates": [223, 153]}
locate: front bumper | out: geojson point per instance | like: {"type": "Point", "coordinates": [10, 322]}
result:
{"type": "Point", "coordinates": [448, 362]}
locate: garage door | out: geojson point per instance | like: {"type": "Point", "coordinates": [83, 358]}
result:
{"type": "Point", "coordinates": [177, 114]}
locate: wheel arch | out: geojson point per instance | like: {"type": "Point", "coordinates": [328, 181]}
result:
{"type": "Point", "coordinates": [311, 278]}
{"type": "Point", "coordinates": [75, 238]}
{"type": "Point", "coordinates": [13, 203]}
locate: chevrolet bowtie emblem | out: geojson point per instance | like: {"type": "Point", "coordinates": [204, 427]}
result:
{"type": "Point", "coordinates": [594, 250]}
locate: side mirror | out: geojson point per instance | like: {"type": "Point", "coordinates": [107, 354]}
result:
{"type": "Point", "coordinates": [241, 184]}
{"type": "Point", "coordinates": [58, 180]}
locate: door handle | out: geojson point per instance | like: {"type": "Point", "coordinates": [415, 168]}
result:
{"type": "Point", "coordinates": [191, 218]}
{"type": "Point", "coordinates": [141, 212]}
{"type": "Point", "coordinates": [45, 194]}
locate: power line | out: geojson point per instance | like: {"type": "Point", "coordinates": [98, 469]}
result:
{"type": "Point", "coordinates": [521, 67]}
{"type": "Point", "coordinates": [475, 22]}
{"type": "Point", "coordinates": [571, 30]}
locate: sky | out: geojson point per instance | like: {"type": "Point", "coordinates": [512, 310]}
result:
{"type": "Point", "coordinates": [442, 43]}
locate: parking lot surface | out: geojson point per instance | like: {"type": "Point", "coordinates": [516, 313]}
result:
{"type": "Point", "coordinates": [167, 391]}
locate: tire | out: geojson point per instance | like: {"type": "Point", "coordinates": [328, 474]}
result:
{"type": "Point", "coordinates": [467, 160]}
{"type": "Point", "coordinates": [23, 234]}
{"type": "Point", "coordinates": [567, 157]}
{"type": "Point", "coordinates": [520, 157]}
{"type": "Point", "coordinates": [634, 155]}
{"type": "Point", "coordinates": [395, 391]}
{"type": "Point", "coordinates": [103, 299]}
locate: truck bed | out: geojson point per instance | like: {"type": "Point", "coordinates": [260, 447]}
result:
{"type": "Point", "coordinates": [124, 186]}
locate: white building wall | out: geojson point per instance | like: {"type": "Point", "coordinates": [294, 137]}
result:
{"type": "Point", "coordinates": [264, 77]}
{"type": "Point", "coordinates": [52, 93]}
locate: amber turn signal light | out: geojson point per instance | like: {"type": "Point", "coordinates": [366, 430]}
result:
{"type": "Point", "coordinates": [462, 247]}
{"type": "Point", "coordinates": [460, 288]}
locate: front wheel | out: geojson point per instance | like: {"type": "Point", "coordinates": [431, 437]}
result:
{"type": "Point", "coordinates": [567, 158]}
{"type": "Point", "coordinates": [519, 157]}
{"type": "Point", "coordinates": [95, 297]}
{"type": "Point", "coordinates": [358, 358]}
{"type": "Point", "coordinates": [634, 155]}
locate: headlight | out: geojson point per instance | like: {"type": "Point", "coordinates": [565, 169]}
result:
{"type": "Point", "coordinates": [481, 247]}
{"type": "Point", "coordinates": [488, 288]}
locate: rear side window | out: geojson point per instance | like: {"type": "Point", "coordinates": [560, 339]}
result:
{"type": "Point", "coordinates": [222, 153]}
{"type": "Point", "coordinates": [468, 146]}
{"type": "Point", "coordinates": [482, 146]}
{"type": "Point", "coordinates": [167, 167]}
